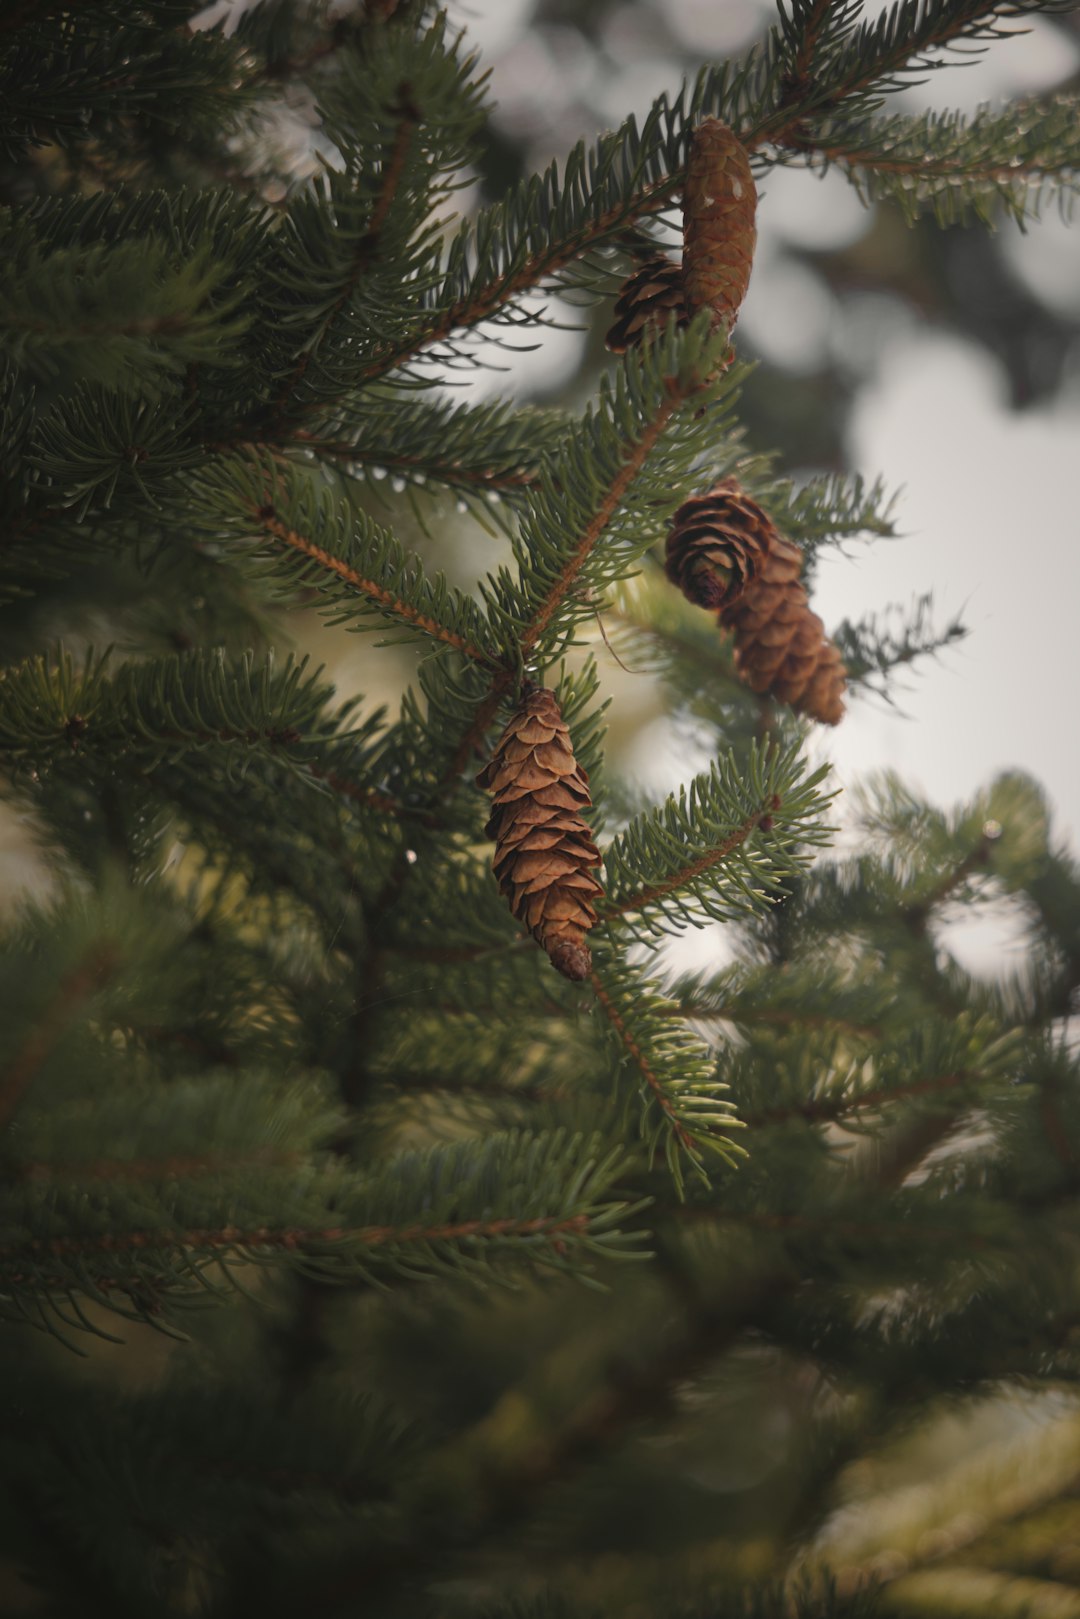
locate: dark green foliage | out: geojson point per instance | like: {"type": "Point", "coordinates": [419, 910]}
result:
{"type": "Point", "coordinates": [307, 1150]}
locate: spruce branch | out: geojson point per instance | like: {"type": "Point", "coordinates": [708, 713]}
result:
{"type": "Point", "coordinates": [508, 1200]}
{"type": "Point", "coordinates": [706, 1011]}
{"type": "Point", "coordinates": [281, 521]}
{"type": "Point", "coordinates": [881, 643]}
{"type": "Point", "coordinates": [554, 221]}
{"type": "Point", "coordinates": [165, 708]}
{"type": "Point", "coordinates": [954, 166]}
{"type": "Point", "coordinates": [75, 989]}
{"type": "Point", "coordinates": [383, 599]}
{"type": "Point", "coordinates": [909, 38]}
{"type": "Point", "coordinates": [691, 860]}
{"type": "Point", "coordinates": [466, 448]}
{"type": "Point", "coordinates": [832, 1110]}
{"type": "Point", "coordinates": [681, 1108]}
{"type": "Point", "coordinates": [362, 242]}
{"type": "Point", "coordinates": [405, 116]}
{"type": "Point", "coordinates": [123, 314]}
{"type": "Point", "coordinates": [581, 527]}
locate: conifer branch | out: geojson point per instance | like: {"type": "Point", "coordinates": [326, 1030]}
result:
{"type": "Point", "coordinates": [687, 874]}
{"type": "Point", "coordinates": [187, 1165]}
{"type": "Point", "coordinates": [696, 1012]}
{"type": "Point", "coordinates": [902, 41]}
{"type": "Point", "coordinates": [876, 57]}
{"type": "Point", "coordinates": [385, 600]}
{"type": "Point", "coordinates": [682, 1135]}
{"type": "Point", "coordinates": [856, 1232]}
{"type": "Point", "coordinates": [916, 915]}
{"type": "Point", "coordinates": [954, 165]}
{"type": "Point", "coordinates": [691, 858]}
{"type": "Point", "coordinates": [636, 417]}
{"type": "Point", "coordinates": [429, 464]}
{"type": "Point", "coordinates": [635, 458]}
{"type": "Point", "coordinates": [366, 797]}
{"type": "Point", "coordinates": [258, 1239]}
{"type": "Point", "coordinates": [812, 23]}
{"type": "Point", "coordinates": [368, 245]}
{"type": "Point", "coordinates": [826, 1110]}
{"type": "Point", "coordinates": [77, 986]}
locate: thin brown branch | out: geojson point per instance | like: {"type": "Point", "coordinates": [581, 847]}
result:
{"type": "Point", "coordinates": [611, 1011]}
{"type": "Point", "coordinates": [687, 874]}
{"type": "Point", "coordinates": [292, 1239]}
{"type": "Point", "coordinates": [784, 125]}
{"type": "Point", "coordinates": [797, 80]}
{"type": "Point", "coordinates": [807, 47]}
{"type": "Point", "coordinates": [635, 459]}
{"type": "Point", "coordinates": [368, 247]}
{"type": "Point", "coordinates": [828, 1110]}
{"type": "Point", "coordinates": [696, 1012]}
{"type": "Point", "coordinates": [917, 916]}
{"type": "Point", "coordinates": [861, 1232]}
{"type": "Point", "coordinates": [271, 524]}
{"type": "Point", "coordinates": [493, 297]}
{"type": "Point", "coordinates": [1056, 1132]}
{"type": "Point", "coordinates": [928, 166]}
{"type": "Point", "coordinates": [447, 472]}
{"type": "Point", "coordinates": [176, 1166]}
{"type": "Point", "coordinates": [68, 1000]}
{"type": "Point", "coordinates": [368, 797]}
{"type": "Point", "coordinates": [514, 1489]}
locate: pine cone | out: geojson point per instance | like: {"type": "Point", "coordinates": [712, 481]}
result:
{"type": "Point", "coordinates": [646, 303]}
{"type": "Point", "coordinates": [719, 204]}
{"type": "Point", "coordinates": [543, 848]}
{"type": "Point", "coordinates": [780, 643]}
{"type": "Point", "coordinates": [716, 545]}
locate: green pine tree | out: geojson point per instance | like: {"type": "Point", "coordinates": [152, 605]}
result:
{"type": "Point", "coordinates": [403, 1275]}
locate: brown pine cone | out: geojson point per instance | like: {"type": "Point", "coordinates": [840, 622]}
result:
{"type": "Point", "coordinates": [780, 643]}
{"type": "Point", "coordinates": [719, 205]}
{"type": "Point", "coordinates": [716, 544]}
{"type": "Point", "coordinates": [646, 303]}
{"type": "Point", "coordinates": [544, 850]}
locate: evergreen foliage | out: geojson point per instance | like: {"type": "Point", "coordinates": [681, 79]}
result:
{"type": "Point", "coordinates": [409, 1277]}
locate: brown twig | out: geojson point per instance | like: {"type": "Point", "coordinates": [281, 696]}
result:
{"type": "Point", "coordinates": [768, 1014]}
{"type": "Point", "coordinates": [830, 1110]}
{"type": "Point", "coordinates": [174, 1167]}
{"type": "Point", "coordinates": [74, 989]}
{"type": "Point", "coordinates": [450, 473]}
{"type": "Point", "coordinates": [271, 524]}
{"type": "Point", "coordinates": [368, 247]}
{"type": "Point", "coordinates": [685, 1139]}
{"type": "Point", "coordinates": [293, 1239]}
{"type": "Point", "coordinates": [687, 874]}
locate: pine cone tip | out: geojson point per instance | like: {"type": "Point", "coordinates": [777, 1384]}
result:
{"type": "Point", "coordinates": [570, 959]}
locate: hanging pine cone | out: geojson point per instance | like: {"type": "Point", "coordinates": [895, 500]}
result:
{"type": "Point", "coordinates": [646, 303]}
{"type": "Point", "coordinates": [719, 204]}
{"type": "Point", "coordinates": [544, 850]}
{"type": "Point", "coordinates": [716, 544]}
{"type": "Point", "coordinates": [780, 643]}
